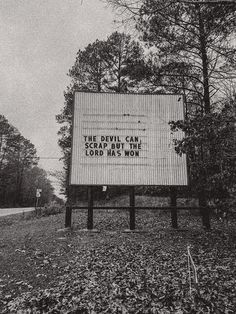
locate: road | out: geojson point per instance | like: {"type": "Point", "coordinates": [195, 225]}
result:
{"type": "Point", "coordinates": [12, 211]}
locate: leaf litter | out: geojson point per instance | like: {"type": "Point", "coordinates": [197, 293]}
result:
{"type": "Point", "coordinates": [117, 272]}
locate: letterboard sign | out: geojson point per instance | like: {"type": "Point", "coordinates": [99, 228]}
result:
{"type": "Point", "coordinates": [125, 139]}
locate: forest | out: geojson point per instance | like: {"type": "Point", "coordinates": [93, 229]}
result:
{"type": "Point", "coordinates": [20, 176]}
{"type": "Point", "coordinates": [183, 47]}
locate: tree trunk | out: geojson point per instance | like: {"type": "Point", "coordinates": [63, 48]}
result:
{"type": "Point", "coordinates": [202, 37]}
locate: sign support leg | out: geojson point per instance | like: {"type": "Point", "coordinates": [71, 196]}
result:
{"type": "Point", "coordinates": [68, 216]}
{"type": "Point", "coordinates": [36, 205]}
{"type": "Point", "coordinates": [173, 204]}
{"type": "Point", "coordinates": [132, 207]}
{"type": "Point", "coordinates": [90, 208]}
{"type": "Point", "coordinates": [68, 209]}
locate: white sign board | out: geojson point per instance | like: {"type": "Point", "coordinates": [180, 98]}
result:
{"type": "Point", "coordinates": [38, 192]}
{"type": "Point", "coordinates": [125, 139]}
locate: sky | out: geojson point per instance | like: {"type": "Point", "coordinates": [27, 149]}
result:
{"type": "Point", "coordinates": [39, 41]}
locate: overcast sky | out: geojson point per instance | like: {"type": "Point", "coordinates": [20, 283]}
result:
{"type": "Point", "coordinates": [39, 40]}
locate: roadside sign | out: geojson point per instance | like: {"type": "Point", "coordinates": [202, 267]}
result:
{"type": "Point", "coordinates": [125, 139]}
{"type": "Point", "coordinates": [38, 192]}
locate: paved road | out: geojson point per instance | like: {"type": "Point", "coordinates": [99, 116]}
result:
{"type": "Point", "coordinates": [12, 211]}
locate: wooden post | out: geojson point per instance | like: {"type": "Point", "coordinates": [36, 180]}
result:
{"type": "Point", "coordinates": [68, 209]}
{"type": "Point", "coordinates": [132, 207]}
{"type": "Point", "coordinates": [90, 208]}
{"type": "Point", "coordinates": [72, 194]}
{"type": "Point", "coordinates": [68, 216]}
{"type": "Point", "coordinates": [36, 205]}
{"type": "Point", "coordinates": [173, 204]}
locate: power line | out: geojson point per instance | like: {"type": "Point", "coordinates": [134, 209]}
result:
{"type": "Point", "coordinates": [49, 157]}
{"type": "Point", "coordinates": [208, 2]}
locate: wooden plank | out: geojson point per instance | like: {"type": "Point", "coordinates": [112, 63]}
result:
{"type": "Point", "coordinates": [137, 207]}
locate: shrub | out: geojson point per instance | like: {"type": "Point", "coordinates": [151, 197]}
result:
{"type": "Point", "coordinates": [50, 209]}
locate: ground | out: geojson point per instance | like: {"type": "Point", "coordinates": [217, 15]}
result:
{"type": "Point", "coordinates": [46, 271]}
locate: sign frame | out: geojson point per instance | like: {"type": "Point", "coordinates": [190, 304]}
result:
{"type": "Point", "coordinates": [124, 184]}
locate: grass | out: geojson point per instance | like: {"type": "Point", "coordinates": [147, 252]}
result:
{"type": "Point", "coordinates": [43, 271]}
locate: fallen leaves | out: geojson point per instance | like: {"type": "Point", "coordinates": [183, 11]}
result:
{"type": "Point", "coordinates": [124, 273]}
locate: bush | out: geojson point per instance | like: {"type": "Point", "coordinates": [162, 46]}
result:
{"type": "Point", "coordinates": [49, 209]}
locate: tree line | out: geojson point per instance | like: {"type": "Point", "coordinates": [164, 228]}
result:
{"type": "Point", "coordinates": [183, 47]}
{"type": "Point", "coordinates": [19, 174]}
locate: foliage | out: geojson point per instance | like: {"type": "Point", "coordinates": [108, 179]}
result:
{"type": "Point", "coordinates": [195, 52]}
{"type": "Point", "coordinates": [116, 272]}
{"type": "Point", "coordinates": [50, 209]}
{"type": "Point", "coordinates": [210, 144]}
{"type": "Point", "coordinates": [111, 65]}
{"type": "Point", "coordinates": [60, 175]}
{"type": "Point", "coordinates": [89, 70]}
{"type": "Point", "coordinates": [35, 179]}
{"type": "Point", "coordinates": [18, 172]}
